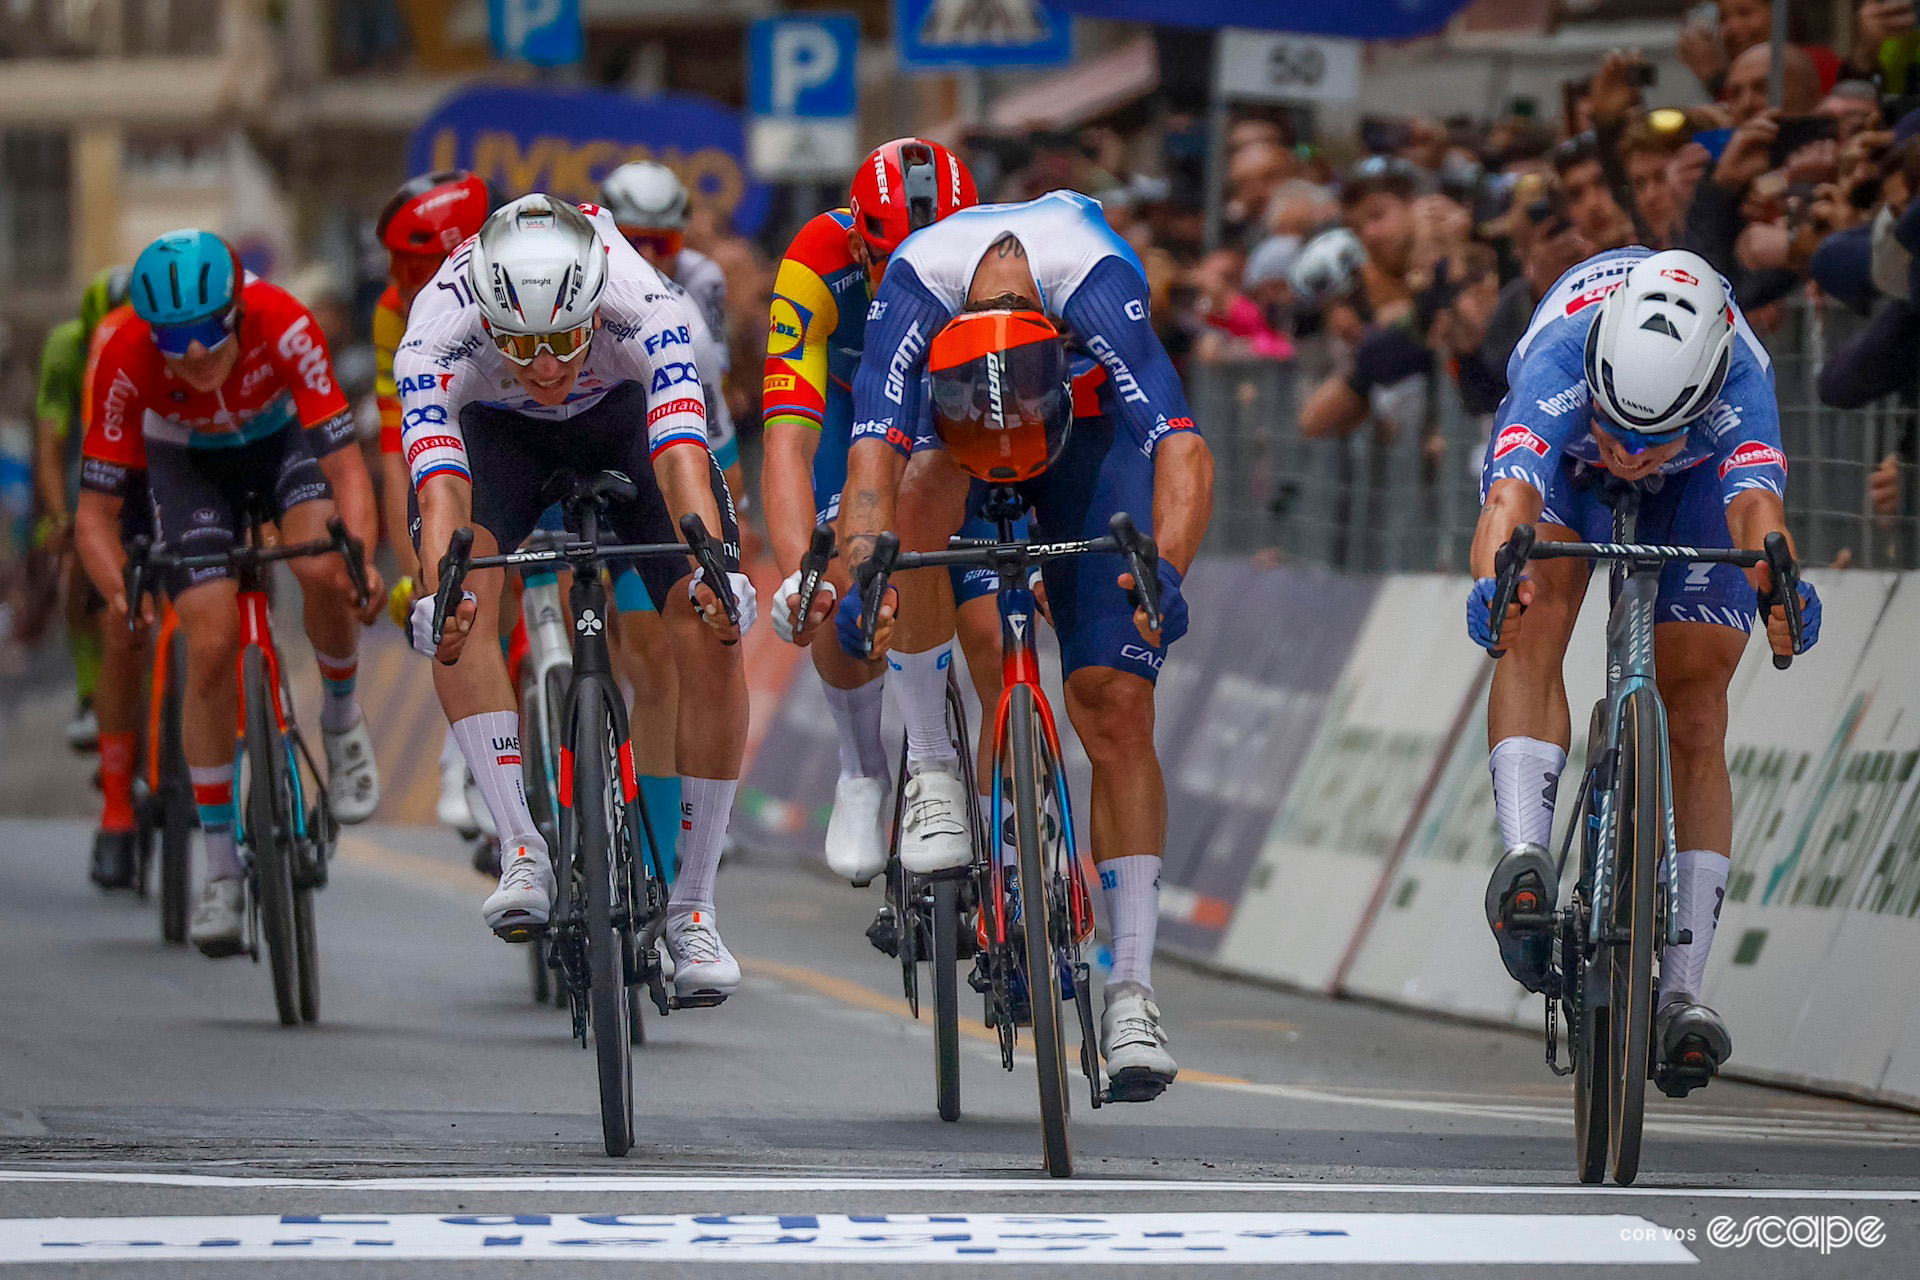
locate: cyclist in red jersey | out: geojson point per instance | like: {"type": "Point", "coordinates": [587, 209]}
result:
{"type": "Point", "coordinates": [221, 387]}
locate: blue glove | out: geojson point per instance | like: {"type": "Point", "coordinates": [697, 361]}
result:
{"type": "Point", "coordinates": [1809, 615]}
{"type": "Point", "coordinates": [1173, 605]}
{"type": "Point", "coordinates": [846, 622]}
{"type": "Point", "coordinates": [1480, 612]}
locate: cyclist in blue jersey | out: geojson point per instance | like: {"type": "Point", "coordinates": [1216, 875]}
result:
{"type": "Point", "coordinates": [1053, 264]}
{"type": "Point", "coordinates": [1637, 368]}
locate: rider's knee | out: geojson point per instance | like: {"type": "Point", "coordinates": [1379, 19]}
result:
{"type": "Point", "coordinates": [1112, 711]}
{"type": "Point", "coordinates": [932, 501]}
{"type": "Point", "coordinates": [1696, 716]}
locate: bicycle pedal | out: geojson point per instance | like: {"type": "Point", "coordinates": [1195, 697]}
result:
{"type": "Point", "coordinates": [1688, 1070]}
{"type": "Point", "coordinates": [1135, 1084]}
{"type": "Point", "coordinates": [698, 1000]}
{"type": "Point", "coordinates": [518, 931]}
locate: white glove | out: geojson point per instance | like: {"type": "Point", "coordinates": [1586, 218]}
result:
{"type": "Point", "coordinates": [783, 612]}
{"type": "Point", "coordinates": [743, 596]}
{"type": "Point", "coordinates": [422, 620]}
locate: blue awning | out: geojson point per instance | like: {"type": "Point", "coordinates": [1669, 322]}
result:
{"type": "Point", "coordinates": [1360, 19]}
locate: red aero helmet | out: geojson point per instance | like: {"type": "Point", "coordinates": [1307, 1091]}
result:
{"type": "Point", "coordinates": [434, 212]}
{"type": "Point", "coordinates": [905, 185]}
{"type": "Point", "coordinates": [1001, 391]}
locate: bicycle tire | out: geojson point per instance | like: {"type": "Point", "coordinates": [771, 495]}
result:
{"type": "Point", "coordinates": [1640, 811]}
{"type": "Point", "coordinates": [535, 747]}
{"type": "Point", "coordinates": [306, 937]}
{"type": "Point", "coordinates": [176, 803]}
{"type": "Point", "coordinates": [596, 817]}
{"type": "Point", "coordinates": [946, 997]}
{"type": "Point", "coordinates": [1037, 915]}
{"type": "Point", "coordinates": [559, 681]}
{"type": "Point", "coordinates": [269, 811]}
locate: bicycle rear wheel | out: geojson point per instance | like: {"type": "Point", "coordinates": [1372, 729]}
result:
{"type": "Point", "coordinates": [597, 810]}
{"type": "Point", "coordinates": [175, 796]}
{"type": "Point", "coordinates": [1040, 927]}
{"type": "Point", "coordinates": [1640, 815]}
{"type": "Point", "coordinates": [946, 996]}
{"type": "Point", "coordinates": [269, 811]}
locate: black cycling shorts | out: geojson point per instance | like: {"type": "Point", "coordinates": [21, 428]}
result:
{"type": "Point", "coordinates": [512, 455]}
{"type": "Point", "coordinates": [200, 494]}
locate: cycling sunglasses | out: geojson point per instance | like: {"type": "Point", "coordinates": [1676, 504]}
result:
{"type": "Point", "coordinates": [212, 333]}
{"type": "Point", "coordinates": [525, 348]}
{"type": "Point", "coordinates": [666, 244]}
{"type": "Point", "coordinates": [1634, 442]}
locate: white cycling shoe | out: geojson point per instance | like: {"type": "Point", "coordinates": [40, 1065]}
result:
{"type": "Point", "coordinates": [933, 835]}
{"type": "Point", "coordinates": [453, 808]}
{"type": "Point", "coordinates": [855, 848]}
{"type": "Point", "coordinates": [1139, 1068]}
{"type": "Point", "coordinates": [217, 926]}
{"type": "Point", "coordinates": [353, 779]}
{"type": "Point", "coordinates": [704, 971]}
{"type": "Point", "coordinates": [519, 908]}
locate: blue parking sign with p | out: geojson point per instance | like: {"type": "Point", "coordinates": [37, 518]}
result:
{"type": "Point", "coordinates": [546, 33]}
{"type": "Point", "coordinates": [804, 66]}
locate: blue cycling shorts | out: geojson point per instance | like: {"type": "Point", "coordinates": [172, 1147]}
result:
{"type": "Point", "coordinates": [1686, 510]}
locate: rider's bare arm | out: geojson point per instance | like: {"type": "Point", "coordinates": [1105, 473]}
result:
{"type": "Point", "coordinates": [1751, 516]}
{"type": "Point", "coordinates": [874, 469]}
{"type": "Point", "coordinates": [786, 488]}
{"type": "Point", "coordinates": [346, 473]}
{"type": "Point", "coordinates": [1182, 496]}
{"type": "Point", "coordinates": [1509, 503]}
{"type": "Point", "coordinates": [97, 538]}
{"type": "Point", "coordinates": [684, 472]}
{"type": "Point", "coordinates": [1334, 409]}
{"type": "Point", "coordinates": [393, 499]}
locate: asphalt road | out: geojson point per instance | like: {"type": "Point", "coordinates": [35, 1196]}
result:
{"type": "Point", "coordinates": [141, 1083]}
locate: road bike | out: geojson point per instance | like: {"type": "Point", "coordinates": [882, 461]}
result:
{"type": "Point", "coordinates": [1620, 908]}
{"type": "Point", "coordinates": [609, 904]}
{"type": "Point", "coordinates": [545, 672]}
{"type": "Point", "coordinates": [1033, 921]}
{"type": "Point", "coordinates": [163, 801]}
{"type": "Point", "coordinates": [283, 821]}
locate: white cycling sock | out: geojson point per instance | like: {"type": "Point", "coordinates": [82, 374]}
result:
{"type": "Point", "coordinates": [1526, 778]}
{"type": "Point", "coordinates": [705, 806]}
{"type": "Point", "coordinates": [856, 714]}
{"type": "Point", "coordinates": [339, 708]}
{"type": "Point", "coordinates": [1702, 886]}
{"type": "Point", "coordinates": [491, 743]}
{"type": "Point", "coordinates": [1131, 886]}
{"type": "Point", "coordinates": [920, 683]}
{"type": "Point", "coordinates": [213, 797]}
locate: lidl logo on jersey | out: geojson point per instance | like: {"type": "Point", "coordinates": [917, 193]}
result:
{"type": "Point", "coordinates": [1518, 436]}
{"type": "Point", "coordinates": [786, 327]}
{"type": "Point", "coordinates": [1753, 454]}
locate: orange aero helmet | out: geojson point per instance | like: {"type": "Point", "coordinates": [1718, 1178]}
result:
{"type": "Point", "coordinates": [1002, 393]}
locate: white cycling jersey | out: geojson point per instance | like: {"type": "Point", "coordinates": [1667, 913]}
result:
{"type": "Point", "coordinates": [650, 334]}
{"type": "Point", "coordinates": [706, 284]}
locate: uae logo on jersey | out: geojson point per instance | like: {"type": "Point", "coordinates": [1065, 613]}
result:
{"type": "Point", "coordinates": [1753, 454]}
{"type": "Point", "coordinates": [1517, 437]}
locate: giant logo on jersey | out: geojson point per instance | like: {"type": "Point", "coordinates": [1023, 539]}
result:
{"type": "Point", "coordinates": [1123, 379]}
{"type": "Point", "coordinates": [308, 355]}
{"type": "Point", "coordinates": [904, 355]}
{"type": "Point", "coordinates": [1518, 436]}
{"type": "Point", "coordinates": [1753, 454]}
{"type": "Point", "coordinates": [786, 327]}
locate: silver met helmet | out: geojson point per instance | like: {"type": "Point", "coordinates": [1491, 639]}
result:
{"type": "Point", "coordinates": [647, 196]}
{"type": "Point", "coordinates": [538, 266]}
{"type": "Point", "coordinates": [1660, 347]}
{"type": "Point", "coordinates": [1327, 267]}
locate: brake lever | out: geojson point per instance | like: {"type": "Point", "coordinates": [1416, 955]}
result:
{"type": "Point", "coordinates": [1784, 574]}
{"type": "Point", "coordinates": [133, 577]}
{"type": "Point", "coordinates": [355, 557]}
{"type": "Point", "coordinates": [700, 542]}
{"type": "Point", "coordinates": [453, 577]}
{"type": "Point", "coordinates": [874, 573]}
{"type": "Point", "coordinates": [813, 567]}
{"type": "Point", "coordinates": [1509, 562]}
{"type": "Point", "coordinates": [1143, 562]}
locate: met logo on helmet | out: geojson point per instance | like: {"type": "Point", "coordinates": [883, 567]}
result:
{"type": "Point", "coordinates": [1517, 436]}
{"type": "Point", "coordinates": [1753, 454]}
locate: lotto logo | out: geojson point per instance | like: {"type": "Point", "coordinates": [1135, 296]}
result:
{"type": "Point", "coordinates": [1753, 454]}
{"type": "Point", "coordinates": [1517, 437]}
{"type": "Point", "coordinates": [309, 356]}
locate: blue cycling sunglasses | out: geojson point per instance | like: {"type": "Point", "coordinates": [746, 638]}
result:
{"type": "Point", "coordinates": [213, 332]}
{"type": "Point", "coordinates": [1637, 442]}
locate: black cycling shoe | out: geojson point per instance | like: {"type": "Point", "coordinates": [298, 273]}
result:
{"type": "Point", "coordinates": [112, 859]}
{"type": "Point", "coordinates": [1524, 884]}
{"type": "Point", "coordinates": [1693, 1043]}
{"type": "Point", "coordinates": [884, 932]}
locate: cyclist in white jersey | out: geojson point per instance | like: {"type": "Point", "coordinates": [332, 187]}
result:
{"type": "Point", "coordinates": [545, 343]}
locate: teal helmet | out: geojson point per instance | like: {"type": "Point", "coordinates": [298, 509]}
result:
{"type": "Point", "coordinates": [185, 276]}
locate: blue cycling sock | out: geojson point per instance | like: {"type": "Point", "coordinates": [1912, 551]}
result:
{"type": "Point", "coordinates": [663, 815]}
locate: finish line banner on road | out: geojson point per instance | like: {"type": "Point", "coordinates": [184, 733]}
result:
{"type": "Point", "coordinates": [1140, 1239]}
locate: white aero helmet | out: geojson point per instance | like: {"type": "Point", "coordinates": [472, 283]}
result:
{"type": "Point", "coordinates": [1327, 266]}
{"type": "Point", "coordinates": [538, 266]}
{"type": "Point", "coordinates": [647, 196]}
{"type": "Point", "coordinates": [1660, 347]}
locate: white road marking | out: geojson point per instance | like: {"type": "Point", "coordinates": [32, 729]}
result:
{"type": "Point", "coordinates": [710, 1183]}
{"type": "Point", "coordinates": [1146, 1239]}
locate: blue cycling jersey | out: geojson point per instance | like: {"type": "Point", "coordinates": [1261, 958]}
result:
{"type": "Point", "coordinates": [1546, 419]}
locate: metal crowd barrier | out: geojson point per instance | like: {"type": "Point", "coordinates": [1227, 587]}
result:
{"type": "Point", "coordinates": [1401, 493]}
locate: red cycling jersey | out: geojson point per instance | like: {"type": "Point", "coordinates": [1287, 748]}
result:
{"type": "Point", "coordinates": [284, 377]}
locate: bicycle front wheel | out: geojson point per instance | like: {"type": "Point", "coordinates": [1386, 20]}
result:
{"type": "Point", "coordinates": [270, 833]}
{"type": "Point", "coordinates": [946, 997]}
{"type": "Point", "coordinates": [536, 748]}
{"type": "Point", "coordinates": [175, 794]}
{"type": "Point", "coordinates": [1640, 817]}
{"type": "Point", "coordinates": [1029, 767]}
{"type": "Point", "coordinates": [597, 813]}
